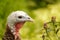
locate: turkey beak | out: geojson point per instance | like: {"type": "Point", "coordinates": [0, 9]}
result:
{"type": "Point", "coordinates": [31, 20]}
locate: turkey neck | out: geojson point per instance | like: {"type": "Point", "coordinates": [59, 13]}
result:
{"type": "Point", "coordinates": [15, 36]}
{"type": "Point", "coordinates": [18, 25]}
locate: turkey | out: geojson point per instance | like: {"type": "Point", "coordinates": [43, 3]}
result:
{"type": "Point", "coordinates": [14, 22]}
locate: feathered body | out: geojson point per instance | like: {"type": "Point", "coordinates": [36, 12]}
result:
{"type": "Point", "coordinates": [9, 36]}
{"type": "Point", "coordinates": [14, 22]}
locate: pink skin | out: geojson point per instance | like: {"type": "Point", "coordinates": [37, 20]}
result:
{"type": "Point", "coordinates": [18, 26]}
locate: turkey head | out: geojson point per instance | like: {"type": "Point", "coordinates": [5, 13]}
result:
{"type": "Point", "coordinates": [14, 22]}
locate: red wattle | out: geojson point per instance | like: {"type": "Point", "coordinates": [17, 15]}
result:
{"type": "Point", "coordinates": [18, 26]}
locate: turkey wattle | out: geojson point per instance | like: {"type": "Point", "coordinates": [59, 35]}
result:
{"type": "Point", "coordinates": [14, 22]}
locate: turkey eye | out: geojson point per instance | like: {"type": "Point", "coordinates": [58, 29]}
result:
{"type": "Point", "coordinates": [19, 16]}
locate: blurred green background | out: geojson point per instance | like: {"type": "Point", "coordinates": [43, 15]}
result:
{"type": "Point", "coordinates": [40, 10]}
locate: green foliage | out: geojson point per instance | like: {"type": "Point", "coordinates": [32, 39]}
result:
{"type": "Point", "coordinates": [39, 10]}
{"type": "Point", "coordinates": [41, 3]}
